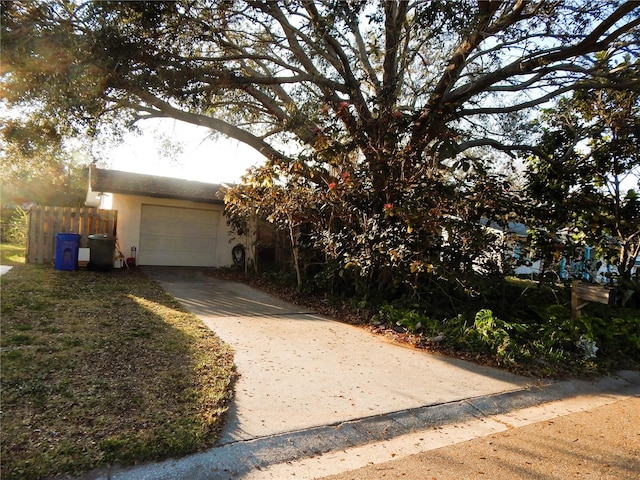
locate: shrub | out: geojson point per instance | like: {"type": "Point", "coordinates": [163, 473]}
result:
{"type": "Point", "coordinates": [411, 320]}
{"type": "Point", "coordinates": [17, 228]}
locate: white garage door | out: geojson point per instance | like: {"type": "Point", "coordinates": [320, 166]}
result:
{"type": "Point", "coordinates": [178, 236]}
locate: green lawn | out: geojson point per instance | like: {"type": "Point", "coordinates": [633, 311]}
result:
{"type": "Point", "coordinates": [11, 254]}
{"type": "Point", "coordinates": [101, 368]}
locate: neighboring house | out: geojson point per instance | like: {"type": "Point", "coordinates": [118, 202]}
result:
{"type": "Point", "coordinates": [506, 245]}
{"type": "Point", "coordinates": [585, 264]}
{"type": "Point", "coordinates": [170, 222]}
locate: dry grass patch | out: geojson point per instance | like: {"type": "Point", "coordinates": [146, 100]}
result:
{"type": "Point", "coordinates": [11, 254]}
{"type": "Point", "coordinates": [101, 368]}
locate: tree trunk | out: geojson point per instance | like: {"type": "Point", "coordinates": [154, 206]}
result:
{"type": "Point", "coordinates": [295, 252]}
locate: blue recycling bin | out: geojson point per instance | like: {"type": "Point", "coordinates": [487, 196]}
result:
{"type": "Point", "coordinates": [67, 245]}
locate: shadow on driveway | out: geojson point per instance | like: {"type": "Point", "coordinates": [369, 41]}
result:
{"type": "Point", "coordinates": [300, 370]}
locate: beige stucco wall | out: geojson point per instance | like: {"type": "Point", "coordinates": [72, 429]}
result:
{"type": "Point", "coordinates": [129, 209]}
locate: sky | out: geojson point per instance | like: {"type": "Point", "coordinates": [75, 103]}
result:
{"type": "Point", "coordinates": [176, 149]}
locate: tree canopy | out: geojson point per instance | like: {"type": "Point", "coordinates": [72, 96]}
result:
{"type": "Point", "coordinates": [590, 143]}
{"type": "Point", "coordinates": [396, 117]}
{"type": "Point", "coordinates": [323, 78]}
{"type": "Point", "coordinates": [37, 167]}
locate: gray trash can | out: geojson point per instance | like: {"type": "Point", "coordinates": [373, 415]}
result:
{"type": "Point", "coordinates": [102, 248]}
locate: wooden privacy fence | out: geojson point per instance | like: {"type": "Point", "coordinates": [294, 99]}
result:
{"type": "Point", "coordinates": [46, 222]}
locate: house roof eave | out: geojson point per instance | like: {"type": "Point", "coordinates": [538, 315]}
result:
{"type": "Point", "coordinates": [127, 183]}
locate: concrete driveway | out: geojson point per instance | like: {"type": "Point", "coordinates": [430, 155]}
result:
{"type": "Point", "coordinates": [300, 370]}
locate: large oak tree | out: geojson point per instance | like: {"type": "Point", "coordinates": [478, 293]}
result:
{"type": "Point", "coordinates": [406, 106]}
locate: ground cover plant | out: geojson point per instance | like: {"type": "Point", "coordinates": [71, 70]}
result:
{"type": "Point", "coordinates": [101, 368]}
{"type": "Point", "coordinates": [520, 325]}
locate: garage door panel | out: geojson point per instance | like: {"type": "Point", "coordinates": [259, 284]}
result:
{"type": "Point", "coordinates": [178, 236]}
{"type": "Point", "coordinates": [162, 242]}
{"type": "Point", "coordinates": [180, 227]}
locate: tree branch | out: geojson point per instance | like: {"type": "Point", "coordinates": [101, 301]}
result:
{"type": "Point", "coordinates": [215, 124]}
{"type": "Point", "coordinates": [490, 142]}
{"type": "Point", "coordinates": [532, 62]}
{"type": "Point", "coordinates": [343, 65]}
{"type": "Point", "coordinates": [363, 55]}
{"type": "Point", "coordinates": [457, 63]}
{"type": "Point", "coordinates": [629, 85]}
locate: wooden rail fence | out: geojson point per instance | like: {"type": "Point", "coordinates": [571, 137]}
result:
{"type": "Point", "coordinates": [46, 222]}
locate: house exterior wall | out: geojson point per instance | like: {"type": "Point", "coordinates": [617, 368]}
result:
{"type": "Point", "coordinates": [129, 209]}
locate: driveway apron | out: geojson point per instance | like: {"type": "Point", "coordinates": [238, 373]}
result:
{"type": "Point", "coordinates": [299, 370]}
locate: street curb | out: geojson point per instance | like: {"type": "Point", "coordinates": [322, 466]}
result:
{"type": "Point", "coordinates": [236, 458]}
